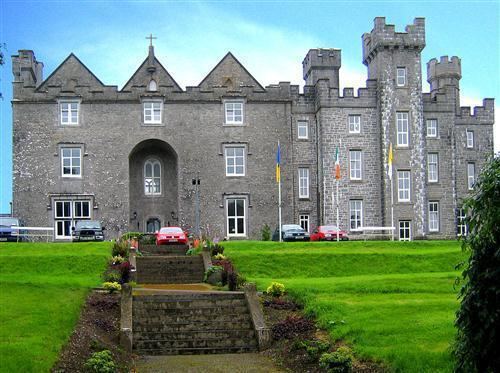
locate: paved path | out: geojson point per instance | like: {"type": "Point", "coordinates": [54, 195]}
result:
{"type": "Point", "coordinates": [219, 363]}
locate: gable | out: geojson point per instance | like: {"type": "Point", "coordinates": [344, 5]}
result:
{"type": "Point", "coordinates": [71, 73]}
{"type": "Point", "coordinates": [230, 73]}
{"type": "Point", "coordinates": [142, 76]}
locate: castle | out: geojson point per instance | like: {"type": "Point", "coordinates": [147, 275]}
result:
{"type": "Point", "coordinates": [153, 154]}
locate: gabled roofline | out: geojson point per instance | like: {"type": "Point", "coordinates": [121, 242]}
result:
{"type": "Point", "coordinates": [159, 63]}
{"type": "Point", "coordinates": [239, 63]}
{"type": "Point", "coordinates": [62, 63]}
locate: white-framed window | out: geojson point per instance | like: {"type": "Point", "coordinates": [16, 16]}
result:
{"type": "Point", "coordinates": [403, 128]}
{"type": "Point", "coordinates": [233, 112]}
{"type": "Point", "coordinates": [66, 214]}
{"type": "Point", "coordinates": [355, 164]}
{"type": "Point", "coordinates": [432, 127]}
{"type": "Point", "coordinates": [401, 76]}
{"type": "Point", "coordinates": [461, 225]}
{"type": "Point", "coordinates": [71, 162]}
{"type": "Point", "coordinates": [236, 217]}
{"type": "Point", "coordinates": [303, 182]}
{"type": "Point", "coordinates": [354, 122]}
{"type": "Point", "coordinates": [235, 160]}
{"type": "Point", "coordinates": [432, 167]}
{"type": "Point", "coordinates": [69, 112]}
{"type": "Point", "coordinates": [304, 221]}
{"type": "Point", "coordinates": [152, 86]}
{"type": "Point", "coordinates": [405, 230]}
{"type": "Point", "coordinates": [152, 177]}
{"type": "Point", "coordinates": [471, 175]}
{"type": "Point", "coordinates": [433, 216]}
{"type": "Point", "coordinates": [355, 213]}
{"type": "Point", "coordinates": [470, 139]}
{"type": "Point", "coordinates": [404, 186]}
{"type": "Point", "coordinates": [302, 129]}
{"type": "Point", "coordinates": [152, 112]}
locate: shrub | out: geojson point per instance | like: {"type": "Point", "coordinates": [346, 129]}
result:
{"type": "Point", "coordinates": [240, 281]}
{"type": "Point", "coordinates": [101, 362]}
{"type": "Point", "coordinates": [232, 281]}
{"type": "Point", "coordinates": [120, 248]}
{"type": "Point", "coordinates": [129, 235]}
{"type": "Point", "coordinates": [314, 348]}
{"type": "Point", "coordinates": [266, 232]}
{"type": "Point", "coordinates": [112, 276]}
{"type": "Point", "coordinates": [211, 270]}
{"type": "Point", "coordinates": [112, 286]}
{"type": "Point", "coordinates": [117, 260]}
{"type": "Point", "coordinates": [477, 321]}
{"type": "Point", "coordinates": [216, 249]}
{"type": "Point", "coordinates": [148, 239]}
{"type": "Point", "coordinates": [292, 326]}
{"type": "Point", "coordinates": [219, 257]}
{"type": "Point", "coordinates": [276, 289]}
{"type": "Point", "coordinates": [193, 251]}
{"type": "Point", "coordinates": [124, 270]}
{"type": "Point", "coordinates": [339, 361]}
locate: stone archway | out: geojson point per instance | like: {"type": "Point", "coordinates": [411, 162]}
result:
{"type": "Point", "coordinates": [153, 188]}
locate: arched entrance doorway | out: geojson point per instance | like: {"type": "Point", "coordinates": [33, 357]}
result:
{"type": "Point", "coordinates": [153, 185]}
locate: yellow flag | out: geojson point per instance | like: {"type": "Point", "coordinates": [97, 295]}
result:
{"type": "Point", "coordinates": [389, 162]}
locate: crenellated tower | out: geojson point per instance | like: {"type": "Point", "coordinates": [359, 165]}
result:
{"type": "Point", "coordinates": [444, 77]}
{"type": "Point", "coordinates": [322, 64]}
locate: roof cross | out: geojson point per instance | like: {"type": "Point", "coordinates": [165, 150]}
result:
{"type": "Point", "coordinates": [151, 37]}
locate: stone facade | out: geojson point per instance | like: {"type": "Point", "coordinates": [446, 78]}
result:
{"type": "Point", "coordinates": [131, 157]}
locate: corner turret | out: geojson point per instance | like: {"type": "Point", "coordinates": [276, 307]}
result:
{"type": "Point", "coordinates": [27, 69]}
{"type": "Point", "coordinates": [322, 64]}
{"type": "Point", "coordinates": [443, 73]}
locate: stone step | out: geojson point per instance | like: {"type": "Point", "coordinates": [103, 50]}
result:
{"type": "Point", "coordinates": [188, 303]}
{"type": "Point", "coordinates": [150, 279]}
{"type": "Point", "coordinates": [209, 312]}
{"type": "Point", "coordinates": [175, 295]}
{"type": "Point", "coordinates": [151, 250]}
{"type": "Point", "coordinates": [183, 325]}
{"type": "Point", "coordinates": [194, 343]}
{"type": "Point", "coordinates": [197, 351]}
{"type": "Point", "coordinates": [146, 320]}
{"type": "Point", "coordinates": [195, 335]}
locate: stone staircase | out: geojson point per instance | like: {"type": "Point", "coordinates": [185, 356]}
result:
{"type": "Point", "coordinates": [164, 250]}
{"type": "Point", "coordinates": [176, 322]}
{"type": "Point", "coordinates": [157, 269]}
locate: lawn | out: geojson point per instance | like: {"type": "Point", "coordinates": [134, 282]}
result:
{"type": "Point", "coordinates": [393, 302]}
{"type": "Point", "coordinates": [42, 289]}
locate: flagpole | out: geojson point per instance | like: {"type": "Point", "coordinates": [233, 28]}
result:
{"type": "Point", "coordinates": [338, 226]}
{"type": "Point", "coordinates": [392, 209]}
{"type": "Point", "coordinates": [279, 190]}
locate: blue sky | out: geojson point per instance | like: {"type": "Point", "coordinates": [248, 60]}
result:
{"type": "Point", "coordinates": [269, 37]}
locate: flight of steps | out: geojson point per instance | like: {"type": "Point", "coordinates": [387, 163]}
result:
{"type": "Point", "coordinates": [177, 322]}
{"type": "Point", "coordinates": [164, 250]}
{"type": "Point", "coordinates": [157, 269]}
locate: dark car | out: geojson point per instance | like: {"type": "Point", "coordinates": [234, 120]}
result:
{"type": "Point", "coordinates": [7, 232]}
{"type": "Point", "coordinates": [88, 230]}
{"type": "Point", "coordinates": [328, 233]}
{"type": "Point", "coordinates": [291, 232]}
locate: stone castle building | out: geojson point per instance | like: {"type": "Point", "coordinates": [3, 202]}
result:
{"type": "Point", "coordinates": [153, 154]}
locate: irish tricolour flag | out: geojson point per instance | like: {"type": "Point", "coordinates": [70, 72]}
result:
{"type": "Point", "coordinates": [337, 164]}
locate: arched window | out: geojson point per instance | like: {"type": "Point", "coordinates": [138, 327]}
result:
{"type": "Point", "coordinates": [152, 85]}
{"type": "Point", "coordinates": [152, 177]}
{"type": "Point", "coordinates": [153, 225]}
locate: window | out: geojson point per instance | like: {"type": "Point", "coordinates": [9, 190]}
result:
{"type": "Point", "coordinates": [302, 129]}
{"type": "Point", "coordinates": [461, 225]}
{"type": "Point", "coordinates": [355, 213]}
{"type": "Point", "coordinates": [152, 177]}
{"type": "Point", "coordinates": [152, 112]}
{"type": "Point", "coordinates": [69, 112]}
{"type": "Point", "coordinates": [432, 127]}
{"type": "Point", "coordinates": [402, 124]}
{"type": "Point", "coordinates": [401, 76]}
{"type": "Point", "coordinates": [404, 230]}
{"type": "Point", "coordinates": [433, 216]}
{"type": "Point", "coordinates": [304, 222]}
{"type": "Point", "coordinates": [235, 161]}
{"type": "Point", "coordinates": [236, 220]}
{"type": "Point", "coordinates": [152, 86]}
{"type": "Point", "coordinates": [470, 139]}
{"type": "Point", "coordinates": [355, 164]}
{"type": "Point", "coordinates": [404, 186]}
{"type": "Point", "coordinates": [71, 162]}
{"type": "Point", "coordinates": [233, 112]}
{"type": "Point", "coordinates": [471, 175]}
{"type": "Point", "coordinates": [66, 214]}
{"type": "Point", "coordinates": [354, 123]}
{"type": "Point", "coordinates": [153, 225]}
{"type": "Point", "coordinates": [432, 167]}
{"type": "Point", "coordinates": [303, 183]}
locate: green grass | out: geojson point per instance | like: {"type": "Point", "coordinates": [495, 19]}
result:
{"type": "Point", "coordinates": [393, 302]}
{"type": "Point", "coordinates": [42, 289]}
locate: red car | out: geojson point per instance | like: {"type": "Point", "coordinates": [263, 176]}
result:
{"type": "Point", "coordinates": [328, 233]}
{"type": "Point", "coordinates": [171, 235]}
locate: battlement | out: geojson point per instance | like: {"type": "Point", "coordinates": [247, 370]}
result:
{"type": "Point", "coordinates": [445, 68]}
{"type": "Point", "coordinates": [385, 36]}
{"type": "Point", "coordinates": [484, 114]}
{"type": "Point", "coordinates": [322, 63]}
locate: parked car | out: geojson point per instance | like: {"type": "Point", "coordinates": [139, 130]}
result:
{"type": "Point", "coordinates": [328, 233]}
{"type": "Point", "coordinates": [7, 233]}
{"type": "Point", "coordinates": [88, 230]}
{"type": "Point", "coordinates": [171, 235]}
{"type": "Point", "coordinates": [291, 232]}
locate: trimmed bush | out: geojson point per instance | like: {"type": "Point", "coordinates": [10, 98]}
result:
{"type": "Point", "coordinates": [276, 289]}
{"type": "Point", "coordinates": [339, 361]}
{"type": "Point", "coordinates": [101, 362]}
{"type": "Point", "coordinates": [266, 232]}
{"type": "Point", "coordinates": [112, 286]}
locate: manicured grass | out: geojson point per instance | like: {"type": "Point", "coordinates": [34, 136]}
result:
{"type": "Point", "coordinates": [393, 302]}
{"type": "Point", "coordinates": [42, 289]}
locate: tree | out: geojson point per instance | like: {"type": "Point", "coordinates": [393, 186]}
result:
{"type": "Point", "coordinates": [478, 319]}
